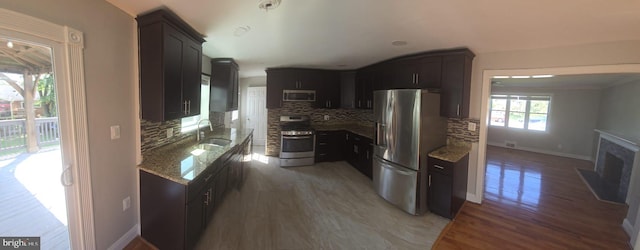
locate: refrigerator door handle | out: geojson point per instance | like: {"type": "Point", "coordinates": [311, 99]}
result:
{"type": "Point", "coordinates": [397, 170]}
{"type": "Point", "coordinates": [379, 134]}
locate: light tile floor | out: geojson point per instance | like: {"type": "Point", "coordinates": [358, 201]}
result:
{"type": "Point", "coordinates": [325, 206]}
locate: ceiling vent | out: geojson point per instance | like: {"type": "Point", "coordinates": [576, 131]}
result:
{"type": "Point", "coordinates": [268, 4]}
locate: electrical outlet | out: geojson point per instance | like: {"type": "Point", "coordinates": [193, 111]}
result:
{"type": "Point", "coordinates": [115, 132]}
{"type": "Point", "coordinates": [126, 203]}
{"type": "Point", "coordinates": [326, 117]}
{"type": "Point", "coordinates": [169, 132]}
{"type": "Point", "coordinates": [472, 126]}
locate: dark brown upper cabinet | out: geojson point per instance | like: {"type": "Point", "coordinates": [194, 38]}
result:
{"type": "Point", "coordinates": [455, 91]}
{"type": "Point", "coordinates": [366, 80]}
{"type": "Point", "coordinates": [415, 73]}
{"type": "Point", "coordinates": [326, 83]}
{"type": "Point", "coordinates": [170, 66]}
{"type": "Point", "coordinates": [328, 90]}
{"type": "Point", "coordinates": [224, 85]}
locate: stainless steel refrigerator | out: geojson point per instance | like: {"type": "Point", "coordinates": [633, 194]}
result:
{"type": "Point", "coordinates": [407, 127]}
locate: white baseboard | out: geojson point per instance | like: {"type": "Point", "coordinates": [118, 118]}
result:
{"type": "Point", "coordinates": [473, 198]}
{"type": "Point", "coordinates": [126, 238]}
{"type": "Point", "coordinates": [542, 151]}
{"type": "Point", "coordinates": [626, 225]}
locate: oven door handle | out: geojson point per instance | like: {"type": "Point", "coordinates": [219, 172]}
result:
{"type": "Point", "coordinates": [297, 137]}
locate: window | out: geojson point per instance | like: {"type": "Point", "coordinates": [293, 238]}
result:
{"type": "Point", "coordinates": [520, 111]}
{"type": "Point", "coordinates": [234, 115]}
{"type": "Point", "coordinates": [190, 123]}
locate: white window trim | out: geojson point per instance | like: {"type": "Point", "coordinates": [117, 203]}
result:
{"type": "Point", "coordinates": [528, 97]}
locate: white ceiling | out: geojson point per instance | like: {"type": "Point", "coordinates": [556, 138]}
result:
{"type": "Point", "coordinates": [355, 33]}
{"type": "Point", "coordinates": [587, 81]}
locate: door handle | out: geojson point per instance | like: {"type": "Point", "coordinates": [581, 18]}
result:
{"type": "Point", "coordinates": [387, 166]}
{"type": "Point", "coordinates": [438, 167]}
{"type": "Point", "coordinates": [64, 177]}
{"type": "Point", "coordinates": [417, 78]}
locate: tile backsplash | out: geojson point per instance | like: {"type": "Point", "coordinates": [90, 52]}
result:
{"type": "Point", "coordinates": [154, 134]}
{"type": "Point", "coordinates": [457, 129]}
{"type": "Point", "coordinates": [336, 117]}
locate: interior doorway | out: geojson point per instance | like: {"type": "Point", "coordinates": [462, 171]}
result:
{"type": "Point", "coordinates": [256, 114]}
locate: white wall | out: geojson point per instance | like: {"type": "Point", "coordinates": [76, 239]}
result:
{"type": "Point", "coordinates": [109, 77]}
{"type": "Point", "coordinates": [572, 118]}
{"type": "Point", "coordinates": [624, 52]}
{"type": "Point", "coordinates": [619, 109]}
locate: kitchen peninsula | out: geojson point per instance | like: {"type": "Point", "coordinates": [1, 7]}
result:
{"type": "Point", "coordinates": [181, 185]}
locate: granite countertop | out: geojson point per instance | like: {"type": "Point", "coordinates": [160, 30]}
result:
{"type": "Point", "coordinates": [365, 131]}
{"type": "Point", "coordinates": [451, 152]}
{"type": "Point", "coordinates": [182, 161]}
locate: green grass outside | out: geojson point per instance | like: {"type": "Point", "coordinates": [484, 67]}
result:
{"type": "Point", "coordinates": [21, 142]}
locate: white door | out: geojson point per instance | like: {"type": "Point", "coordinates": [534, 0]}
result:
{"type": "Point", "coordinates": [256, 115]}
{"type": "Point", "coordinates": [54, 176]}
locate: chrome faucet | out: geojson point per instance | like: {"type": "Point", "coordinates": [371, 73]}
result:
{"type": "Point", "coordinates": [198, 129]}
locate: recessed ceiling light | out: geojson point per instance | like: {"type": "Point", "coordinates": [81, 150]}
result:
{"type": "Point", "coordinates": [10, 44]}
{"type": "Point", "coordinates": [242, 30]}
{"type": "Point", "coordinates": [268, 4]}
{"type": "Point", "coordinates": [399, 43]}
{"type": "Point", "coordinates": [500, 77]}
{"type": "Point", "coordinates": [542, 76]}
{"type": "Point", "coordinates": [520, 77]}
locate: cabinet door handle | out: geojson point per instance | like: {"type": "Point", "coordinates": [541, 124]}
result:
{"type": "Point", "coordinates": [438, 167]}
{"type": "Point", "coordinates": [206, 198]}
{"type": "Point", "coordinates": [367, 154]}
{"type": "Point", "coordinates": [355, 149]}
{"type": "Point", "coordinates": [429, 181]}
{"type": "Point", "coordinates": [359, 104]}
{"type": "Point", "coordinates": [417, 78]}
{"type": "Point", "coordinates": [189, 110]}
{"type": "Point", "coordinates": [184, 109]}
{"type": "Point", "coordinates": [458, 110]}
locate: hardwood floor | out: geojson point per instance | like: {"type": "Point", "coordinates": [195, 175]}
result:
{"type": "Point", "coordinates": [535, 201]}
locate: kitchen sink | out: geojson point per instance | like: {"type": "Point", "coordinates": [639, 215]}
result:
{"type": "Point", "coordinates": [209, 146]}
{"type": "Point", "coordinates": [220, 142]}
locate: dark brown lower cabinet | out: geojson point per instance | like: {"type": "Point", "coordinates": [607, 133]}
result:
{"type": "Point", "coordinates": [447, 187]}
{"type": "Point", "coordinates": [359, 153]}
{"type": "Point", "coordinates": [173, 215]}
{"type": "Point", "coordinates": [329, 145]}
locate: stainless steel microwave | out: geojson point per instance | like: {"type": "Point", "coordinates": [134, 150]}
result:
{"type": "Point", "coordinates": [294, 95]}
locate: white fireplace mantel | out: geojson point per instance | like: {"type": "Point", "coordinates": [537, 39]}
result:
{"type": "Point", "coordinates": [628, 142]}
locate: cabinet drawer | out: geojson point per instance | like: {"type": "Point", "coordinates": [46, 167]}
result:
{"type": "Point", "coordinates": [440, 166]}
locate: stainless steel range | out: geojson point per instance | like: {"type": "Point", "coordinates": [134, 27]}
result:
{"type": "Point", "coordinates": [297, 141]}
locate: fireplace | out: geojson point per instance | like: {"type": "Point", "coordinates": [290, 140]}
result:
{"type": "Point", "coordinates": [614, 164]}
{"type": "Point", "coordinates": [616, 167]}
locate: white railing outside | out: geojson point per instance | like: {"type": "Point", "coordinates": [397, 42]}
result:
{"type": "Point", "coordinates": [13, 134]}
